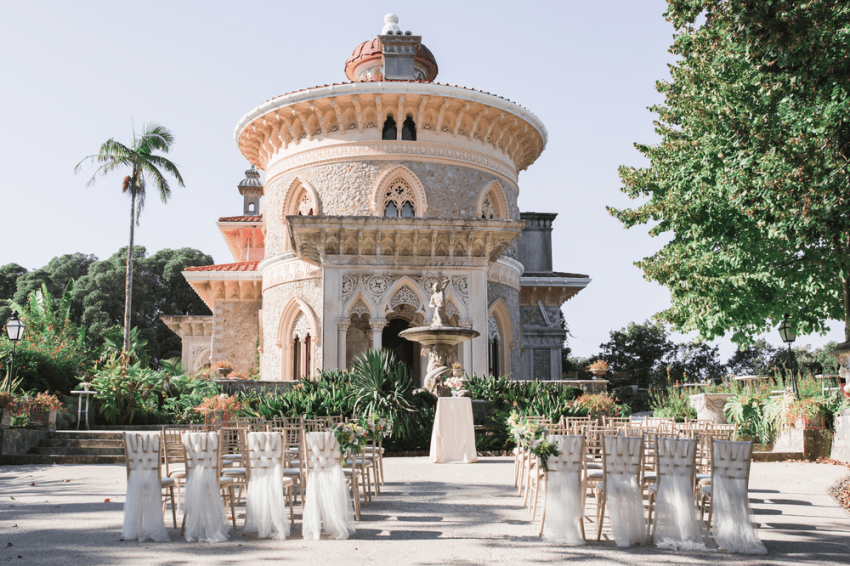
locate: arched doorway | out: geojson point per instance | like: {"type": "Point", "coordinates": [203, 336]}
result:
{"type": "Point", "coordinates": [404, 350]}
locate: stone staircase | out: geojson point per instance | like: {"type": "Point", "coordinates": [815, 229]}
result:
{"type": "Point", "coordinates": [73, 447]}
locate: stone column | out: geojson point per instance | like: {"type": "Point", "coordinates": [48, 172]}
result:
{"type": "Point", "coordinates": [342, 325]}
{"type": "Point", "coordinates": [467, 348]}
{"type": "Point", "coordinates": [377, 325]}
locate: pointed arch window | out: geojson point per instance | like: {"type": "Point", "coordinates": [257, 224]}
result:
{"type": "Point", "coordinates": [494, 349]}
{"type": "Point", "coordinates": [389, 132]}
{"type": "Point", "coordinates": [408, 130]}
{"type": "Point", "coordinates": [399, 200]}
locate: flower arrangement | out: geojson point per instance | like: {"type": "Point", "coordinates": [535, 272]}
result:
{"type": "Point", "coordinates": [351, 438]}
{"type": "Point", "coordinates": [524, 430]}
{"type": "Point", "coordinates": [224, 364]}
{"type": "Point", "coordinates": [237, 375]}
{"type": "Point", "coordinates": [598, 365]}
{"type": "Point", "coordinates": [224, 403]}
{"type": "Point", "coordinates": [456, 383]}
{"type": "Point", "coordinates": [543, 449]}
{"type": "Point", "coordinates": [457, 365]}
{"type": "Point", "coordinates": [377, 426]}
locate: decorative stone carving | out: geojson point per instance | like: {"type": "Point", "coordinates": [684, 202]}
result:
{"type": "Point", "coordinates": [293, 270]}
{"type": "Point", "coordinates": [451, 309]}
{"type": "Point", "coordinates": [398, 193]}
{"type": "Point", "coordinates": [709, 406]}
{"type": "Point", "coordinates": [461, 285]}
{"type": "Point", "coordinates": [487, 209]}
{"type": "Point", "coordinates": [343, 323]}
{"type": "Point", "coordinates": [380, 149]}
{"type": "Point", "coordinates": [378, 324]}
{"type": "Point", "coordinates": [305, 204]}
{"type": "Point", "coordinates": [348, 284]}
{"type": "Point", "coordinates": [405, 295]}
{"type": "Point", "coordinates": [542, 366]}
{"type": "Point", "coordinates": [493, 330]}
{"type": "Point", "coordinates": [506, 275]}
{"type": "Point", "coordinates": [360, 308]}
{"type": "Point", "coordinates": [301, 327]}
{"type": "Point", "coordinates": [378, 285]}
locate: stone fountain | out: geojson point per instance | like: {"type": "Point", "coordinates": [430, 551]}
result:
{"type": "Point", "coordinates": [439, 340]}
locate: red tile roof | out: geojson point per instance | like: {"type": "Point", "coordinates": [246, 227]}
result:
{"type": "Point", "coordinates": [238, 266]}
{"type": "Point", "coordinates": [241, 219]}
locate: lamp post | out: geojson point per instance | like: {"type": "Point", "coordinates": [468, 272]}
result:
{"type": "Point", "coordinates": [15, 331]}
{"type": "Point", "coordinates": [789, 334]}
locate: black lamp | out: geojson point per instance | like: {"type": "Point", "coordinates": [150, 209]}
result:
{"type": "Point", "coordinates": [15, 331]}
{"type": "Point", "coordinates": [788, 334]}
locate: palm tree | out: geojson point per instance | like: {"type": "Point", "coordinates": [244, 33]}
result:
{"type": "Point", "coordinates": [145, 168]}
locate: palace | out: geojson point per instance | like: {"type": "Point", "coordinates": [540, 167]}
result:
{"type": "Point", "coordinates": [374, 189]}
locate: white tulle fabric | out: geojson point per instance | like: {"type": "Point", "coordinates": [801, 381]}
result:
{"type": "Point", "coordinates": [732, 522]}
{"type": "Point", "coordinates": [564, 507]}
{"type": "Point", "coordinates": [625, 505]}
{"type": "Point", "coordinates": [265, 512]}
{"type": "Point", "coordinates": [143, 504]}
{"type": "Point", "coordinates": [328, 506]}
{"type": "Point", "coordinates": [206, 520]}
{"type": "Point", "coordinates": [677, 525]}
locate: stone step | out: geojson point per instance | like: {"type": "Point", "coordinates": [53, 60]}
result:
{"type": "Point", "coordinates": [87, 435]}
{"type": "Point", "coordinates": [38, 459]}
{"type": "Point", "coordinates": [777, 456]}
{"type": "Point", "coordinates": [83, 443]}
{"type": "Point", "coordinates": [76, 451]}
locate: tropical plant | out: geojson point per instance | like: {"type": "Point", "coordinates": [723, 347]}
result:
{"type": "Point", "coordinates": [144, 168]}
{"type": "Point", "coordinates": [805, 409]}
{"type": "Point", "coordinates": [53, 349]}
{"type": "Point", "coordinates": [229, 404]}
{"type": "Point", "coordinates": [383, 386]}
{"type": "Point", "coordinates": [597, 405]}
{"type": "Point", "coordinates": [125, 390]}
{"type": "Point", "coordinates": [185, 393]}
{"type": "Point", "coordinates": [42, 402]}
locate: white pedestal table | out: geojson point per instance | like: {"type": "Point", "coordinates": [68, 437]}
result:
{"type": "Point", "coordinates": [453, 437]}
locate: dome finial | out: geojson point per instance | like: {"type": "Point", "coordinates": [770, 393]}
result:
{"type": "Point", "coordinates": [391, 25]}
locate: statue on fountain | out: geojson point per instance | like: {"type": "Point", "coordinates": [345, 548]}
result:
{"type": "Point", "coordinates": [438, 303]}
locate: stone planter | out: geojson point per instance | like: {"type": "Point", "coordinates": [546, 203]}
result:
{"type": "Point", "coordinates": [223, 372]}
{"type": "Point", "coordinates": [43, 419]}
{"type": "Point", "coordinates": [709, 406]}
{"type": "Point", "coordinates": [816, 422]}
{"type": "Point", "coordinates": [5, 418]}
{"type": "Point", "coordinates": [598, 373]}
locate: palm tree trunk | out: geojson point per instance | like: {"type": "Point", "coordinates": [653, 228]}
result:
{"type": "Point", "coordinates": [846, 286]}
{"type": "Point", "coordinates": [128, 284]}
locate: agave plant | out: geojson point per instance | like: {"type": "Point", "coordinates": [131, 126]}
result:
{"type": "Point", "coordinates": [382, 385]}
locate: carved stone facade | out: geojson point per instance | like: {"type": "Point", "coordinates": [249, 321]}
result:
{"type": "Point", "coordinates": [374, 191]}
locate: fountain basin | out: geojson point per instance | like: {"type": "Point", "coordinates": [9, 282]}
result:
{"type": "Point", "coordinates": [439, 335]}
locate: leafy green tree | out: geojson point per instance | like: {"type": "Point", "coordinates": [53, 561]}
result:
{"type": "Point", "coordinates": [639, 350]}
{"type": "Point", "coordinates": [695, 361]}
{"type": "Point", "coordinates": [145, 167]}
{"type": "Point", "coordinates": [9, 275]}
{"type": "Point", "coordinates": [160, 289]}
{"type": "Point", "coordinates": [755, 359]}
{"type": "Point", "coordinates": [751, 175]}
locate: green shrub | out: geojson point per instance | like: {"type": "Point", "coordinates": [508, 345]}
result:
{"type": "Point", "coordinates": [671, 403]}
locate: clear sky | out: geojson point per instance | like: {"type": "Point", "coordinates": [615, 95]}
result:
{"type": "Point", "coordinates": [76, 73]}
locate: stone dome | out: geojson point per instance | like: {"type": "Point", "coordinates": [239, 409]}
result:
{"type": "Point", "coordinates": [252, 178]}
{"type": "Point", "coordinates": [365, 64]}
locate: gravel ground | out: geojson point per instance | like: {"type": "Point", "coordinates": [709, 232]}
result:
{"type": "Point", "coordinates": [427, 514]}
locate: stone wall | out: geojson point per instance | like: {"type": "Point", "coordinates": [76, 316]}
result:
{"type": "Point", "coordinates": [236, 330]}
{"type": "Point", "coordinates": [275, 300]}
{"type": "Point", "coordinates": [510, 296]}
{"type": "Point", "coordinates": [346, 189]}
{"type": "Point", "coordinates": [841, 440]}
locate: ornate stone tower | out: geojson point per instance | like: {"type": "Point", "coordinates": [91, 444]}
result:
{"type": "Point", "coordinates": [374, 189]}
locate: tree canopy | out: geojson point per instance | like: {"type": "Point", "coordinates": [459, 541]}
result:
{"type": "Point", "coordinates": [97, 297]}
{"type": "Point", "coordinates": [751, 175]}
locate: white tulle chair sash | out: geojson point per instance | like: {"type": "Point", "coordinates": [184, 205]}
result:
{"type": "Point", "coordinates": [143, 504]}
{"type": "Point", "coordinates": [622, 461]}
{"type": "Point", "coordinates": [206, 520]}
{"type": "Point", "coordinates": [328, 506]}
{"type": "Point", "coordinates": [564, 500]}
{"type": "Point", "coordinates": [265, 512]}
{"type": "Point", "coordinates": [677, 525]}
{"type": "Point", "coordinates": [732, 521]}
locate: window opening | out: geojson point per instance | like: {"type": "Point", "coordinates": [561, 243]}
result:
{"type": "Point", "coordinates": [389, 132]}
{"type": "Point", "coordinates": [408, 130]}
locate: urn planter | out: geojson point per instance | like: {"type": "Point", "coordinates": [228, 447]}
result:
{"type": "Point", "coordinates": [223, 372]}
{"type": "Point", "coordinates": [709, 406]}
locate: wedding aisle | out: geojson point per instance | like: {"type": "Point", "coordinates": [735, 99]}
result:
{"type": "Point", "coordinates": [426, 514]}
